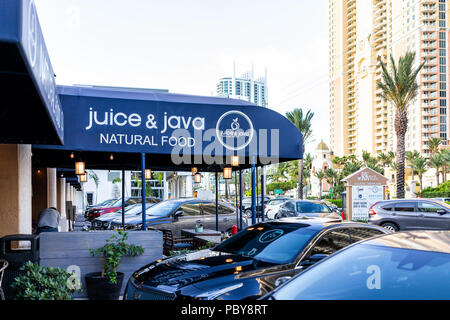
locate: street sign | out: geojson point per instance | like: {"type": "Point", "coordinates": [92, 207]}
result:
{"type": "Point", "coordinates": [278, 191]}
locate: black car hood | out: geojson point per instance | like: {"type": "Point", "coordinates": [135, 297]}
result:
{"type": "Point", "coordinates": [174, 273]}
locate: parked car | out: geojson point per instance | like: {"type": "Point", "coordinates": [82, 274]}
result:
{"type": "Point", "coordinates": [308, 208]}
{"type": "Point", "coordinates": [101, 204]}
{"type": "Point", "coordinates": [410, 214]}
{"type": "Point", "coordinates": [117, 205]}
{"type": "Point", "coordinates": [442, 199]}
{"type": "Point", "coordinates": [249, 264]}
{"type": "Point", "coordinates": [247, 206]}
{"type": "Point", "coordinates": [104, 222]}
{"type": "Point", "coordinates": [412, 265]}
{"type": "Point", "coordinates": [178, 214]}
{"type": "Point", "coordinates": [273, 205]}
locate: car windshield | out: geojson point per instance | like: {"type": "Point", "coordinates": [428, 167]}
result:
{"type": "Point", "coordinates": [270, 242]}
{"type": "Point", "coordinates": [373, 272]}
{"type": "Point", "coordinates": [312, 207]}
{"type": "Point", "coordinates": [163, 208]}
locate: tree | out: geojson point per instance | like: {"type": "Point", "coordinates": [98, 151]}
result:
{"type": "Point", "coordinates": [436, 162]}
{"type": "Point", "coordinates": [320, 175]}
{"type": "Point", "coordinates": [92, 175]}
{"type": "Point", "coordinates": [434, 144]}
{"type": "Point", "coordinates": [304, 125]}
{"type": "Point", "coordinates": [420, 167]}
{"type": "Point", "coordinates": [400, 88]}
{"type": "Point", "coordinates": [331, 176]}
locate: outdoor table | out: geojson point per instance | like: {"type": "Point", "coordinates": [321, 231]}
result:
{"type": "Point", "coordinates": [204, 237]}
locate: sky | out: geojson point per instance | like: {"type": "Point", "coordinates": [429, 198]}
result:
{"type": "Point", "coordinates": [186, 46]}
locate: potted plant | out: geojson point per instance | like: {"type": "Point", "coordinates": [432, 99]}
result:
{"type": "Point", "coordinates": [106, 285]}
{"type": "Point", "coordinates": [44, 283]}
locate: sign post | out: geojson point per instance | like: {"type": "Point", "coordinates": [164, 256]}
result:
{"type": "Point", "coordinates": [364, 188]}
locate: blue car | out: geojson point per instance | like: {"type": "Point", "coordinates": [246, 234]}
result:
{"type": "Point", "coordinates": [249, 264]}
{"type": "Point", "coordinates": [412, 265]}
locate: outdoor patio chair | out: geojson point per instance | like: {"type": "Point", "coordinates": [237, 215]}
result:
{"type": "Point", "coordinates": [172, 242]}
{"type": "Point", "coordinates": [3, 266]}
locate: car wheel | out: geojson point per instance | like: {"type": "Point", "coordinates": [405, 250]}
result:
{"type": "Point", "coordinates": [390, 226]}
{"type": "Point", "coordinates": [277, 216]}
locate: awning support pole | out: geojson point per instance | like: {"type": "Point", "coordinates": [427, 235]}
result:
{"type": "Point", "coordinates": [123, 198]}
{"type": "Point", "coordinates": [253, 192]}
{"type": "Point", "coordinates": [143, 192]}
{"type": "Point", "coordinates": [262, 192]}
{"type": "Point", "coordinates": [240, 198]}
{"type": "Point", "coordinates": [217, 202]}
{"type": "Point", "coordinates": [236, 197]}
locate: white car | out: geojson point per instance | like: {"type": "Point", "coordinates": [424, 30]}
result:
{"type": "Point", "coordinates": [272, 207]}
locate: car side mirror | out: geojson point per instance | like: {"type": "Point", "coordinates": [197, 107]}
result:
{"type": "Point", "coordinates": [177, 214]}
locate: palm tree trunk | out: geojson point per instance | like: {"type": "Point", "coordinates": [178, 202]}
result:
{"type": "Point", "coordinates": [420, 180]}
{"type": "Point", "coordinates": [401, 124]}
{"type": "Point", "coordinates": [300, 179]}
{"type": "Point", "coordinates": [437, 177]}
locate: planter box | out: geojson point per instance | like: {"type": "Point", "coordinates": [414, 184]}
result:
{"type": "Point", "coordinates": [69, 250]}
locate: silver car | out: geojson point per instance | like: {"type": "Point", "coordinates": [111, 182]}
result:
{"type": "Point", "coordinates": [307, 208]}
{"type": "Point", "coordinates": [411, 214]}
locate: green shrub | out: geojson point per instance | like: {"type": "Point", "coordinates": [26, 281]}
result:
{"type": "Point", "coordinates": [113, 251]}
{"type": "Point", "coordinates": [337, 202]}
{"type": "Point", "coordinates": [43, 283]}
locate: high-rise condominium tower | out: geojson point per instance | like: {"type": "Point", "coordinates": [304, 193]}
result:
{"type": "Point", "coordinates": [363, 32]}
{"type": "Point", "coordinates": [245, 87]}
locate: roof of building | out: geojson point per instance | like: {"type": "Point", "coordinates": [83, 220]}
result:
{"type": "Point", "coordinates": [322, 146]}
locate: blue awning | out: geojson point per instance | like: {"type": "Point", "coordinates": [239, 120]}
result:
{"type": "Point", "coordinates": [176, 131]}
{"type": "Point", "coordinates": [30, 110]}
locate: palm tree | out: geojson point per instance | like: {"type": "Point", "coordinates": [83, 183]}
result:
{"type": "Point", "coordinates": [400, 88]}
{"type": "Point", "coordinates": [304, 125]}
{"type": "Point", "coordinates": [420, 167]}
{"type": "Point", "coordinates": [434, 144]}
{"type": "Point", "coordinates": [92, 175]}
{"type": "Point", "coordinates": [436, 161]}
{"type": "Point", "coordinates": [331, 176]}
{"type": "Point", "coordinates": [446, 157]}
{"type": "Point", "coordinates": [411, 156]}
{"type": "Point", "coordinates": [320, 175]}
{"type": "Point", "coordinates": [384, 160]}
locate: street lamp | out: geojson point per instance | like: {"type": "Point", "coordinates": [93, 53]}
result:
{"type": "Point", "coordinates": [79, 167]}
{"type": "Point", "coordinates": [227, 172]}
{"type": "Point", "coordinates": [234, 161]}
{"type": "Point", "coordinates": [194, 170]}
{"type": "Point", "coordinates": [148, 174]}
{"type": "Point", "coordinates": [83, 177]}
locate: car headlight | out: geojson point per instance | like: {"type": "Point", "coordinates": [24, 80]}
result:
{"type": "Point", "coordinates": [213, 294]}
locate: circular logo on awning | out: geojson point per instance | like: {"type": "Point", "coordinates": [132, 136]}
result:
{"type": "Point", "coordinates": [234, 130]}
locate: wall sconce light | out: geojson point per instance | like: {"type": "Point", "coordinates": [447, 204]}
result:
{"type": "Point", "coordinates": [148, 174]}
{"type": "Point", "coordinates": [194, 170]}
{"type": "Point", "coordinates": [198, 178]}
{"type": "Point", "coordinates": [111, 157]}
{"type": "Point", "coordinates": [234, 161]}
{"type": "Point", "coordinates": [79, 167]}
{"type": "Point", "coordinates": [227, 172]}
{"type": "Point", "coordinates": [72, 155]}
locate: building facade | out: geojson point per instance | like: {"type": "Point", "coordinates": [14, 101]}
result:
{"type": "Point", "coordinates": [361, 34]}
{"type": "Point", "coordinates": [245, 87]}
